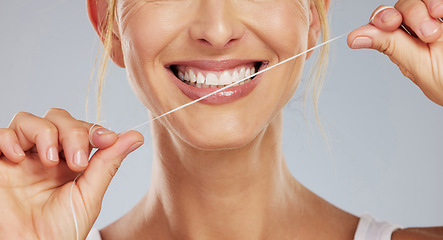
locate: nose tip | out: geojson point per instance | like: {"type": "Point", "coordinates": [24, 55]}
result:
{"type": "Point", "coordinates": [216, 26]}
{"type": "Point", "coordinates": [218, 35]}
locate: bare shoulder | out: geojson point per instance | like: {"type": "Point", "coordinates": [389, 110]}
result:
{"type": "Point", "coordinates": [432, 233]}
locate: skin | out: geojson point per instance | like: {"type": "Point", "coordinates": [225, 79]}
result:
{"type": "Point", "coordinates": [218, 173]}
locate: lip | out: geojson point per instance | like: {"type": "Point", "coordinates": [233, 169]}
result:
{"type": "Point", "coordinates": [226, 96]}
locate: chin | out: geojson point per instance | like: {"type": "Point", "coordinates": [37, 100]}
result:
{"type": "Point", "coordinates": [220, 144]}
{"type": "Point", "coordinates": [220, 138]}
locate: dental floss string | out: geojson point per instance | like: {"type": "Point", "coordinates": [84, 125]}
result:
{"type": "Point", "coordinates": [241, 80]}
{"type": "Point", "coordinates": [72, 207]}
{"type": "Point", "coordinates": [72, 187]}
{"type": "Point", "coordinates": [198, 100]}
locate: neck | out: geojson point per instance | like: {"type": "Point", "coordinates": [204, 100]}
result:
{"type": "Point", "coordinates": [235, 193]}
{"type": "Point", "coordinates": [244, 193]}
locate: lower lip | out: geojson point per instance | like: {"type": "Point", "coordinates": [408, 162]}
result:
{"type": "Point", "coordinates": [226, 96]}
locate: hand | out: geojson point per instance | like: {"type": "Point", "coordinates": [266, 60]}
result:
{"type": "Point", "coordinates": [39, 159]}
{"type": "Point", "coordinates": [419, 58]}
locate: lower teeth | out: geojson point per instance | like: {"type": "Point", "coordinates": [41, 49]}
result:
{"type": "Point", "coordinates": [202, 85]}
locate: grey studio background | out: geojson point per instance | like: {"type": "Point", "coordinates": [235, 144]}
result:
{"type": "Point", "coordinates": [387, 154]}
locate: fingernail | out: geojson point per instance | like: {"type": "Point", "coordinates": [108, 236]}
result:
{"type": "Point", "coordinates": [428, 28]}
{"type": "Point", "coordinates": [18, 150]}
{"type": "Point", "coordinates": [133, 147]}
{"type": "Point", "coordinates": [378, 11]}
{"type": "Point", "coordinates": [388, 14]}
{"type": "Point", "coordinates": [103, 131]}
{"type": "Point", "coordinates": [52, 154]}
{"type": "Point", "coordinates": [362, 42]}
{"type": "Point", "coordinates": [81, 159]}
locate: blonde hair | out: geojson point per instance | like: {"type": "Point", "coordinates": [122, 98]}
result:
{"type": "Point", "coordinates": [313, 87]}
{"type": "Point", "coordinates": [318, 72]}
{"type": "Point", "coordinates": [107, 32]}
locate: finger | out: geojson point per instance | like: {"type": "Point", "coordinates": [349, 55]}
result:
{"type": "Point", "coordinates": [417, 17]}
{"type": "Point", "coordinates": [73, 137]}
{"type": "Point", "coordinates": [435, 8]}
{"type": "Point", "coordinates": [104, 165]}
{"type": "Point", "coordinates": [32, 131]}
{"type": "Point", "coordinates": [402, 49]}
{"type": "Point", "coordinates": [10, 146]}
{"type": "Point", "coordinates": [100, 137]}
{"type": "Point", "coordinates": [386, 18]}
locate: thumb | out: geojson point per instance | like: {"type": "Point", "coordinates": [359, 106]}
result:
{"type": "Point", "coordinates": [103, 166]}
{"type": "Point", "coordinates": [400, 47]}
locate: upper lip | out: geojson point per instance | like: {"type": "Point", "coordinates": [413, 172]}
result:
{"type": "Point", "coordinates": [211, 65]}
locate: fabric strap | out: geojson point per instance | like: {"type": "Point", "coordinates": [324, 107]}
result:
{"type": "Point", "coordinates": [370, 229]}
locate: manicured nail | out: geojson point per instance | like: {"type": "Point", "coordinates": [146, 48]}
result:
{"type": "Point", "coordinates": [81, 159]}
{"type": "Point", "coordinates": [133, 147]}
{"type": "Point", "coordinates": [378, 11]}
{"type": "Point", "coordinates": [103, 131]}
{"type": "Point", "coordinates": [18, 150]}
{"type": "Point", "coordinates": [388, 14]}
{"type": "Point", "coordinates": [362, 42]}
{"type": "Point", "coordinates": [429, 27]}
{"type": "Point", "coordinates": [52, 154]}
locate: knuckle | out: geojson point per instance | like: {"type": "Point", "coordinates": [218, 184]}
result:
{"type": "Point", "coordinates": [79, 131]}
{"type": "Point", "coordinates": [49, 129]}
{"type": "Point", "coordinates": [21, 115]}
{"type": "Point", "coordinates": [19, 118]}
{"type": "Point", "coordinates": [6, 134]}
{"type": "Point", "coordinates": [113, 169]}
{"type": "Point", "coordinates": [412, 9]}
{"type": "Point", "coordinates": [386, 48]}
{"type": "Point", "coordinates": [76, 134]}
{"type": "Point", "coordinates": [398, 5]}
{"type": "Point", "coordinates": [56, 111]}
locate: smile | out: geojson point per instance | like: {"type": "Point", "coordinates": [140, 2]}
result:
{"type": "Point", "coordinates": [215, 79]}
{"type": "Point", "coordinates": [197, 79]}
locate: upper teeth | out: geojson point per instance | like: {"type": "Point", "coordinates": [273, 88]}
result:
{"type": "Point", "coordinates": [216, 78]}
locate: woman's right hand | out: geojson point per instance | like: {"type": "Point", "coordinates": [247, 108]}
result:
{"type": "Point", "coordinates": [40, 158]}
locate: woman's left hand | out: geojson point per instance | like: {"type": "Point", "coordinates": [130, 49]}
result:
{"type": "Point", "coordinates": [419, 58]}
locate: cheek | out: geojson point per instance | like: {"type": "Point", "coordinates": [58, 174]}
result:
{"type": "Point", "coordinates": [144, 39]}
{"type": "Point", "coordinates": [286, 32]}
{"type": "Point", "coordinates": [284, 26]}
{"type": "Point", "coordinates": [150, 28]}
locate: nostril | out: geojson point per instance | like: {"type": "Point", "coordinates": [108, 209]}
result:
{"type": "Point", "coordinates": [204, 41]}
{"type": "Point", "coordinates": [218, 44]}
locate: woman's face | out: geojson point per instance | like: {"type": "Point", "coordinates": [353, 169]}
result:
{"type": "Point", "coordinates": [178, 50]}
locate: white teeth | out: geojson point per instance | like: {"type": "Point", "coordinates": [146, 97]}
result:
{"type": "Point", "coordinates": [216, 79]}
{"type": "Point", "coordinates": [235, 77]}
{"type": "Point", "coordinates": [248, 72]}
{"type": "Point", "coordinates": [225, 78]}
{"type": "Point", "coordinates": [192, 76]}
{"type": "Point", "coordinates": [241, 74]}
{"type": "Point", "coordinates": [211, 79]}
{"type": "Point", "coordinates": [200, 78]}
